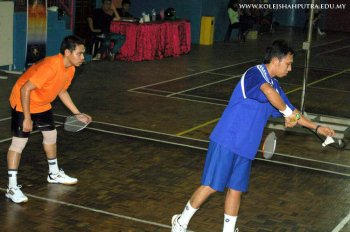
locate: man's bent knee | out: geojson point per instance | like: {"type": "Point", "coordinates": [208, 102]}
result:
{"type": "Point", "coordinates": [208, 189]}
{"type": "Point", "coordinates": [233, 192]}
{"type": "Point", "coordinates": [18, 144]}
{"type": "Point", "coordinates": [50, 137]}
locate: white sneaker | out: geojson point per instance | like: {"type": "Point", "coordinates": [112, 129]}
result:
{"type": "Point", "coordinates": [16, 195]}
{"type": "Point", "coordinates": [61, 178]}
{"type": "Point", "coordinates": [236, 230]}
{"type": "Point", "coordinates": [176, 226]}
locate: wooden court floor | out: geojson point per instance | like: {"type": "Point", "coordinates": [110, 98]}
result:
{"type": "Point", "coordinates": [142, 157]}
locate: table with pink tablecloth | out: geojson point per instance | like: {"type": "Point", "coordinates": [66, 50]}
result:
{"type": "Point", "coordinates": [156, 40]}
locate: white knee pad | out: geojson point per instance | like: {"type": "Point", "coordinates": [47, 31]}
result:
{"type": "Point", "coordinates": [50, 137]}
{"type": "Point", "coordinates": [18, 144]}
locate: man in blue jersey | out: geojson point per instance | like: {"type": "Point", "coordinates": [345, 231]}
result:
{"type": "Point", "coordinates": [236, 138]}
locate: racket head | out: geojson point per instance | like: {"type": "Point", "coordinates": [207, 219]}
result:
{"type": "Point", "coordinates": [269, 145]}
{"type": "Point", "coordinates": [75, 123]}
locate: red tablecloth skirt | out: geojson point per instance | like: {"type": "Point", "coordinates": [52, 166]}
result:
{"type": "Point", "coordinates": [149, 41]}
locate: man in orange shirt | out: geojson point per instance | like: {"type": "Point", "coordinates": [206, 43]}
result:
{"type": "Point", "coordinates": [30, 101]}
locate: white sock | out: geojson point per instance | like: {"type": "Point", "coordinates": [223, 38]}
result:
{"type": "Point", "coordinates": [12, 178]}
{"type": "Point", "coordinates": [187, 214]}
{"type": "Point", "coordinates": [53, 166]}
{"type": "Point", "coordinates": [229, 223]}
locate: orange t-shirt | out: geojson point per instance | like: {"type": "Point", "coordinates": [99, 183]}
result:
{"type": "Point", "coordinates": [50, 77]}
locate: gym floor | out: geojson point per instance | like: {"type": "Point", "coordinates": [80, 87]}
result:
{"type": "Point", "coordinates": [141, 159]}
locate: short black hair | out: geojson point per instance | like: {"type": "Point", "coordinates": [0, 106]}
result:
{"type": "Point", "coordinates": [126, 2]}
{"type": "Point", "coordinates": [70, 42]}
{"type": "Point", "coordinates": [279, 49]}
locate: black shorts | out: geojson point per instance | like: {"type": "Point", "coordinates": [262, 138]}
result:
{"type": "Point", "coordinates": [41, 121]}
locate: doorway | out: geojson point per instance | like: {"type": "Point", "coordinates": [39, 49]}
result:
{"type": "Point", "coordinates": [83, 8]}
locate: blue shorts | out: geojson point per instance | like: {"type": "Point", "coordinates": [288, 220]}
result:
{"type": "Point", "coordinates": [225, 169]}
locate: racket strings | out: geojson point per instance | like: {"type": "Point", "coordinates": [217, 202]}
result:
{"type": "Point", "coordinates": [269, 145]}
{"type": "Point", "coordinates": [75, 123]}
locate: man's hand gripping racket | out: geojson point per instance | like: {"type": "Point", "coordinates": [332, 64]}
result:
{"type": "Point", "coordinates": [292, 120]}
{"type": "Point", "coordinates": [77, 122]}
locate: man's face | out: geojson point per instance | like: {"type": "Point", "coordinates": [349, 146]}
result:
{"type": "Point", "coordinates": [283, 66]}
{"type": "Point", "coordinates": [76, 57]}
{"type": "Point", "coordinates": [107, 5]}
{"type": "Point", "coordinates": [126, 7]}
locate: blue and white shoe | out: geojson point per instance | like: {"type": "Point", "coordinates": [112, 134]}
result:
{"type": "Point", "coordinates": [176, 226]}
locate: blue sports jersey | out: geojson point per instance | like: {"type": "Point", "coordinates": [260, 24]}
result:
{"type": "Point", "coordinates": [241, 125]}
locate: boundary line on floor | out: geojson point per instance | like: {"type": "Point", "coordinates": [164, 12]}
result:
{"type": "Point", "coordinates": [97, 211]}
{"type": "Point", "coordinates": [193, 74]}
{"type": "Point", "coordinates": [341, 224]}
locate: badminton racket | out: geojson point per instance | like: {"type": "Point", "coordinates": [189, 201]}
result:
{"type": "Point", "coordinates": [269, 145]}
{"type": "Point", "coordinates": [76, 122]}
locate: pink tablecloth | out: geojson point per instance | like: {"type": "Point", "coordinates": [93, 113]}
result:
{"type": "Point", "coordinates": [149, 41]}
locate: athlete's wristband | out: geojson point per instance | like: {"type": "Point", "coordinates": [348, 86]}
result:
{"type": "Point", "coordinates": [287, 112]}
{"type": "Point", "coordinates": [318, 126]}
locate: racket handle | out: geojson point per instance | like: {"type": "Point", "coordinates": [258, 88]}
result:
{"type": "Point", "coordinates": [296, 118]}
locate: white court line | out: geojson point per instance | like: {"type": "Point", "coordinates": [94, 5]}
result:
{"type": "Point", "coordinates": [143, 130]}
{"type": "Point", "coordinates": [205, 149]}
{"type": "Point", "coordinates": [163, 141]}
{"type": "Point", "coordinates": [12, 72]}
{"type": "Point", "coordinates": [205, 102]}
{"type": "Point", "coordinates": [189, 95]}
{"type": "Point", "coordinates": [193, 74]}
{"type": "Point", "coordinates": [305, 167]}
{"type": "Point", "coordinates": [331, 42]}
{"type": "Point", "coordinates": [207, 141]}
{"type": "Point", "coordinates": [209, 98]}
{"type": "Point", "coordinates": [317, 88]}
{"type": "Point", "coordinates": [341, 225]}
{"type": "Point", "coordinates": [324, 44]}
{"type": "Point", "coordinates": [312, 160]}
{"type": "Point", "coordinates": [4, 119]}
{"type": "Point", "coordinates": [220, 74]}
{"type": "Point", "coordinates": [37, 131]}
{"type": "Point", "coordinates": [329, 89]}
{"type": "Point", "coordinates": [216, 99]}
{"type": "Point", "coordinates": [201, 86]}
{"type": "Point", "coordinates": [212, 83]}
{"type": "Point", "coordinates": [5, 140]}
{"type": "Point", "coordinates": [194, 139]}
{"type": "Point", "coordinates": [97, 211]}
{"type": "Point", "coordinates": [201, 148]}
{"type": "Point", "coordinates": [333, 50]}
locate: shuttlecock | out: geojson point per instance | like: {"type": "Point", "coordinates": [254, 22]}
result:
{"type": "Point", "coordinates": [328, 140]}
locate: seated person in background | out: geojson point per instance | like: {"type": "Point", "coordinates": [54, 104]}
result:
{"type": "Point", "coordinates": [266, 23]}
{"type": "Point", "coordinates": [251, 16]}
{"type": "Point", "coordinates": [99, 24]}
{"type": "Point", "coordinates": [234, 14]}
{"type": "Point", "coordinates": [124, 11]}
